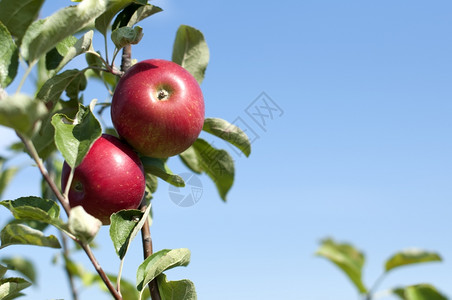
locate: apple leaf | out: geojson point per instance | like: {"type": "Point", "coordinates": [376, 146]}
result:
{"type": "Point", "coordinates": [10, 287]}
{"type": "Point", "coordinates": [190, 159]}
{"type": "Point", "coordinates": [217, 164]}
{"type": "Point", "coordinates": [66, 50]}
{"type": "Point", "coordinates": [190, 51]}
{"type": "Point", "coordinates": [21, 113]}
{"type": "Point", "coordinates": [124, 36]}
{"type": "Point", "coordinates": [171, 290]}
{"type": "Point", "coordinates": [158, 262]}
{"type": "Point", "coordinates": [347, 258]}
{"type": "Point", "coordinates": [419, 292]}
{"type": "Point", "coordinates": [102, 22]}
{"type": "Point", "coordinates": [19, 234]}
{"type": "Point", "coordinates": [133, 14]}
{"type": "Point", "coordinates": [3, 270]}
{"type": "Point", "coordinates": [9, 57]}
{"type": "Point", "coordinates": [21, 265]}
{"type": "Point", "coordinates": [158, 167]}
{"type": "Point", "coordinates": [6, 174]}
{"type": "Point", "coordinates": [41, 38]}
{"type": "Point", "coordinates": [410, 256]}
{"type": "Point", "coordinates": [34, 208]}
{"type": "Point", "coordinates": [125, 225]}
{"type": "Point", "coordinates": [74, 138]}
{"type": "Point", "coordinates": [52, 89]}
{"type": "Point", "coordinates": [83, 225]}
{"type": "Point", "coordinates": [18, 15]}
{"type": "Point", "coordinates": [228, 132]}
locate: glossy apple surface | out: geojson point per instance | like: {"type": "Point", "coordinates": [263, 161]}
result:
{"type": "Point", "coordinates": [158, 108]}
{"type": "Point", "coordinates": [110, 178]}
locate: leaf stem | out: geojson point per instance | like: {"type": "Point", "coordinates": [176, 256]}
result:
{"type": "Point", "coordinates": [27, 72]}
{"type": "Point", "coordinates": [375, 286]}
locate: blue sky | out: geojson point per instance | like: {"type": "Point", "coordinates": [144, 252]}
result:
{"type": "Point", "coordinates": [360, 149]}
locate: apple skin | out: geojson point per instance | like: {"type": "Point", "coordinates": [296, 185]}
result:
{"type": "Point", "coordinates": [158, 108]}
{"type": "Point", "coordinates": [110, 178]}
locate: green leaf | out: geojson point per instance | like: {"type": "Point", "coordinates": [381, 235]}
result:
{"type": "Point", "coordinates": [124, 36]}
{"type": "Point", "coordinates": [34, 208]}
{"type": "Point", "coordinates": [217, 164]}
{"type": "Point", "coordinates": [55, 56]}
{"type": "Point", "coordinates": [44, 139]}
{"type": "Point", "coordinates": [158, 262]}
{"type": "Point", "coordinates": [102, 23]}
{"type": "Point", "coordinates": [54, 29]}
{"type": "Point", "coordinates": [9, 57]}
{"type": "Point", "coordinates": [19, 234]}
{"type": "Point", "coordinates": [228, 132]}
{"type": "Point", "coordinates": [10, 287]}
{"type": "Point", "coordinates": [158, 167]}
{"type": "Point", "coordinates": [52, 89]}
{"type": "Point", "coordinates": [419, 292]}
{"type": "Point", "coordinates": [6, 174]}
{"type": "Point", "coordinates": [21, 265]}
{"type": "Point", "coordinates": [347, 258]}
{"type": "Point", "coordinates": [133, 14]}
{"type": "Point", "coordinates": [21, 113]}
{"type": "Point", "coordinates": [410, 256]}
{"type": "Point", "coordinates": [190, 159]}
{"type": "Point", "coordinates": [176, 290]}
{"type": "Point", "coordinates": [83, 225]}
{"type": "Point", "coordinates": [125, 225]}
{"type": "Point", "coordinates": [74, 138]}
{"type": "Point", "coordinates": [18, 15]}
{"type": "Point", "coordinates": [191, 52]}
{"type": "Point", "coordinates": [3, 270]}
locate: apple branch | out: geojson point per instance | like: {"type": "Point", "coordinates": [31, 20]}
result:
{"type": "Point", "coordinates": [65, 203]}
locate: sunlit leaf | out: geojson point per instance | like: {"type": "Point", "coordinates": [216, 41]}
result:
{"type": "Point", "coordinates": [217, 164]}
{"type": "Point", "coordinates": [10, 287]}
{"type": "Point", "coordinates": [190, 51]}
{"type": "Point", "coordinates": [410, 256]}
{"type": "Point", "coordinates": [125, 225]}
{"type": "Point", "coordinates": [347, 258]}
{"type": "Point", "coordinates": [158, 167]}
{"type": "Point", "coordinates": [21, 265]}
{"type": "Point", "coordinates": [19, 234]}
{"type": "Point", "coordinates": [419, 292]}
{"type": "Point", "coordinates": [83, 225]}
{"type": "Point", "coordinates": [124, 36]}
{"type": "Point", "coordinates": [102, 22]}
{"type": "Point", "coordinates": [54, 29]}
{"type": "Point", "coordinates": [228, 132]}
{"type": "Point", "coordinates": [133, 14]}
{"type": "Point", "coordinates": [21, 113]}
{"type": "Point", "coordinates": [175, 290]}
{"type": "Point", "coordinates": [18, 15]}
{"type": "Point", "coordinates": [74, 138]}
{"type": "Point", "coordinates": [160, 261]}
{"type": "Point", "coordinates": [9, 57]}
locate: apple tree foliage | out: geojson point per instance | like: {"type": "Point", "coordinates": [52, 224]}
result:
{"type": "Point", "coordinates": [56, 121]}
{"type": "Point", "coordinates": [351, 261]}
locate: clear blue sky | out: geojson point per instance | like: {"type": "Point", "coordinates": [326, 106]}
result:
{"type": "Point", "coordinates": [361, 152]}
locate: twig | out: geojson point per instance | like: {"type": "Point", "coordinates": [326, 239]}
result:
{"type": "Point", "coordinates": [126, 61]}
{"type": "Point", "coordinates": [147, 251]}
{"type": "Point", "coordinates": [66, 268]}
{"type": "Point", "coordinates": [65, 203]}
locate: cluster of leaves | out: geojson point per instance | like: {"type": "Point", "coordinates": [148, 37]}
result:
{"type": "Point", "coordinates": [351, 261]}
{"type": "Point", "coordinates": [48, 124]}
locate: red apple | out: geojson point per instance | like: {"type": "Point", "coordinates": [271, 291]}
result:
{"type": "Point", "coordinates": [110, 178]}
{"type": "Point", "coordinates": [158, 108]}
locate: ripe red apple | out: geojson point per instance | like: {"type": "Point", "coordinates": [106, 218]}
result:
{"type": "Point", "coordinates": [110, 178]}
{"type": "Point", "coordinates": [158, 108]}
